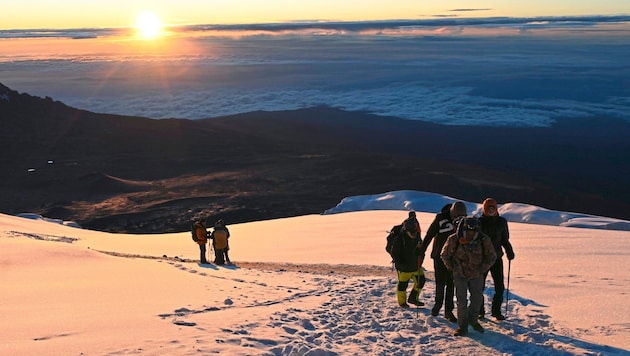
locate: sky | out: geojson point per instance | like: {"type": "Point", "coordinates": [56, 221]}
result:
{"type": "Point", "coordinates": [308, 285]}
{"type": "Point", "coordinates": [37, 14]}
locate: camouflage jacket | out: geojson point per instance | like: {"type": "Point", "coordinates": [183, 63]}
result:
{"type": "Point", "coordinates": [470, 260]}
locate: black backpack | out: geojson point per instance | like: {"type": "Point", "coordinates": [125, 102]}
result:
{"type": "Point", "coordinates": [391, 237]}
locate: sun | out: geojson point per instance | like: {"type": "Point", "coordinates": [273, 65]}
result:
{"type": "Point", "coordinates": [148, 25]}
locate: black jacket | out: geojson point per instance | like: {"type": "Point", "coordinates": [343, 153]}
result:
{"type": "Point", "coordinates": [441, 228]}
{"type": "Point", "coordinates": [405, 252]}
{"type": "Point", "coordinates": [496, 228]}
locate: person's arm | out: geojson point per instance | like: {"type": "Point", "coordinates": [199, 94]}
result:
{"type": "Point", "coordinates": [505, 241]}
{"type": "Point", "coordinates": [433, 230]}
{"type": "Point", "coordinates": [448, 251]}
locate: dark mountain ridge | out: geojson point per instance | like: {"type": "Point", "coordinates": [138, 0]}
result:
{"type": "Point", "coordinates": [133, 174]}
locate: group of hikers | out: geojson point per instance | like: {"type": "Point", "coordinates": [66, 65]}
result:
{"type": "Point", "coordinates": [465, 249]}
{"type": "Point", "coordinates": [219, 236]}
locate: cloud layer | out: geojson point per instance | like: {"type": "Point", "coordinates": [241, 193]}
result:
{"type": "Point", "coordinates": [528, 73]}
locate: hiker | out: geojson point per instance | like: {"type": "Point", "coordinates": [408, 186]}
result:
{"type": "Point", "coordinates": [496, 228]}
{"type": "Point", "coordinates": [469, 254]}
{"type": "Point", "coordinates": [219, 238]}
{"type": "Point", "coordinates": [202, 238]}
{"type": "Point", "coordinates": [412, 217]}
{"type": "Point", "coordinates": [227, 246]}
{"type": "Point", "coordinates": [405, 252]}
{"type": "Point", "coordinates": [440, 229]}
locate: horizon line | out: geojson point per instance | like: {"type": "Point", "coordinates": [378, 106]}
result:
{"type": "Point", "coordinates": [350, 26]}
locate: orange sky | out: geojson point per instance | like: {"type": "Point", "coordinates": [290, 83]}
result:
{"type": "Point", "coordinates": [29, 14]}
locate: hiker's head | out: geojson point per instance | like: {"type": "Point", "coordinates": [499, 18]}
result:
{"type": "Point", "coordinates": [467, 230]}
{"type": "Point", "coordinates": [490, 207]}
{"type": "Point", "coordinates": [412, 214]}
{"type": "Point", "coordinates": [458, 209]}
{"type": "Point", "coordinates": [411, 227]}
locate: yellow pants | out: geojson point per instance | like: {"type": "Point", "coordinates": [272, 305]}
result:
{"type": "Point", "coordinates": [403, 282]}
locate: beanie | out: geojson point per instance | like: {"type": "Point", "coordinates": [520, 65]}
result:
{"type": "Point", "coordinates": [488, 203]}
{"type": "Point", "coordinates": [458, 209]}
{"type": "Point", "coordinates": [410, 225]}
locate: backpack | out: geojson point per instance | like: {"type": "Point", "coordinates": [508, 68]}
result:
{"type": "Point", "coordinates": [193, 229]}
{"type": "Point", "coordinates": [219, 236]}
{"type": "Point", "coordinates": [391, 237]}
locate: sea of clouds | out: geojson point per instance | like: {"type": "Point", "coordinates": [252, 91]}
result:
{"type": "Point", "coordinates": [498, 72]}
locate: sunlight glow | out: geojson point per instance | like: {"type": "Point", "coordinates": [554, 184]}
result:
{"type": "Point", "coordinates": [148, 25]}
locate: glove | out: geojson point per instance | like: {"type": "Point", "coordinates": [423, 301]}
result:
{"type": "Point", "coordinates": [510, 255]}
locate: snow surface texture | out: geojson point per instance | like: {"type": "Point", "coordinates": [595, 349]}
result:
{"type": "Point", "coordinates": [310, 285]}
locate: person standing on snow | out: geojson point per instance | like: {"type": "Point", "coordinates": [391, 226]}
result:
{"type": "Point", "coordinates": [469, 254]}
{"type": "Point", "coordinates": [219, 242]}
{"type": "Point", "coordinates": [440, 229]}
{"type": "Point", "coordinates": [405, 252]}
{"type": "Point", "coordinates": [202, 238]}
{"type": "Point", "coordinates": [496, 228]}
{"type": "Point", "coordinates": [221, 225]}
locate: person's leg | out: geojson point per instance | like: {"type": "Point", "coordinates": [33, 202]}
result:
{"type": "Point", "coordinates": [450, 293]}
{"type": "Point", "coordinates": [476, 296]}
{"type": "Point", "coordinates": [440, 284]}
{"type": "Point", "coordinates": [418, 283]}
{"type": "Point", "coordinates": [499, 288]}
{"type": "Point", "coordinates": [202, 254]}
{"type": "Point", "coordinates": [218, 256]}
{"type": "Point", "coordinates": [227, 258]}
{"type": "Point", "coordinates": [461, 291]}
{"type": "Point", "coordinates": [401, 287]}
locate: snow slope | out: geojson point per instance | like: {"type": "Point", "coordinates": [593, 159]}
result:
{"type": "Point", "coordinates": [309, 285]}
{"type": "Point", "coordinates": [514, 212]}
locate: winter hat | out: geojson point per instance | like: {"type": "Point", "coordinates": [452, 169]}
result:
{"type": "Point", "coordinates": [458, 209]}
{"type": "Point", "coordinates": [411, 226]}
{"type": "Point", "coordinates": [467, 224]}
{"type": "Point", "coordinates": [488, 203]}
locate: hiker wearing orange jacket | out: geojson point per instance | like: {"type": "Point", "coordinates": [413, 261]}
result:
{"type": "Point", "coordinates": [202, 239]}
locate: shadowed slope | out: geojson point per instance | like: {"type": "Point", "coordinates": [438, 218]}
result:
{"type": "Point", "coordinates": [133, 174]}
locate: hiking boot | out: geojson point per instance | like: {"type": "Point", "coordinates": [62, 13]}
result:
{"type": "Point", "coordinates": [478, 327]}
{"type": "Point", "coordinates": [461, 332]}
{"type": "Point", "coordinates": [416, 302]}
{"type": "Point", "coordinates": [450, 317]}
{"type": "Point", "coordinates": [434, 312]}
{"type": "Point", "coordinates": [404, 306]}
{"type": "Point", "coordinates": [498, 316]}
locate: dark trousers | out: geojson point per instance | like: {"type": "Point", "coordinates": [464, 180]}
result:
{"type": "Point", "coordinates": [496, 271]}
{"type": "Point", "coordinates": [467, 314]}
{"type": "Point", "coordinates": [443, 283]}
{"type": "Point", "coordinates": [202, 253]}
{"type": "Point", "coordinates": [219, 256]}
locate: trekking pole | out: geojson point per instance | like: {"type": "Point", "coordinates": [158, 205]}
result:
{"type": "Point", "coordinates": [507, 299]}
